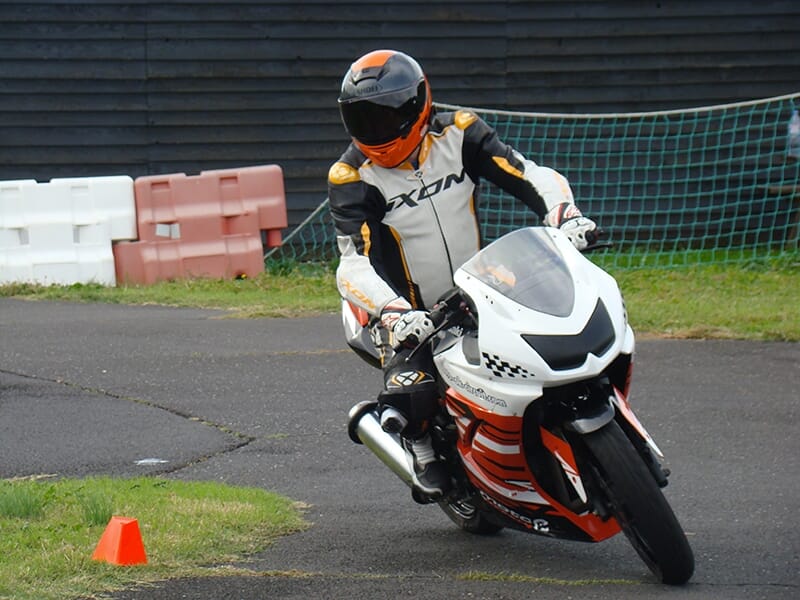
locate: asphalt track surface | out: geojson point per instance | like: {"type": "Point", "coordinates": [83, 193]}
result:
{"type": "Point", "coordinates": [92, 389]}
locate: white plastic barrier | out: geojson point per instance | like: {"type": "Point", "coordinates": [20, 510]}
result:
{"type": "Point", "coordinates": [61, 232]}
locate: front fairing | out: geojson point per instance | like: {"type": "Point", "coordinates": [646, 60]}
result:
{"type": "Point", "coordinates": [533, 285]}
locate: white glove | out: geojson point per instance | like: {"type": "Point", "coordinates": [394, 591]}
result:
{"type": "Point", "coordinates": [580, 230]}
{"type": "Point", "coordinates": [412, 327]}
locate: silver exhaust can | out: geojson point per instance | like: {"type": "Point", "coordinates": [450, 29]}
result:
{"type": "Point", "coordinates": [386, 446]}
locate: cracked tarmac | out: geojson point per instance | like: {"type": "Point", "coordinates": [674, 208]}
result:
{"type": "Point", "coordinates": [96, 389]}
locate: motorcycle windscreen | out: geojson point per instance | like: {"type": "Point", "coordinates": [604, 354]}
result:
{"type": "Point", "coordinates": [526, 266]}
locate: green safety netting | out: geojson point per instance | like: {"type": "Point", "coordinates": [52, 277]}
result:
{"type": "Point", "coordinates": [705, 185]}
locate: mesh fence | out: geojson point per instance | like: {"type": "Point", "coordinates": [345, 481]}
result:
{"type": "Point", "coordinates": [707, 185]}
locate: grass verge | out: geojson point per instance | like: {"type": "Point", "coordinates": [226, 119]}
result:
{"type": "Point", "coordinates": [281, 291]}
{"type": "Point", "coordinates": [738, 302]}
{"type": "Point", "coordinates": [482, 576]}
{"type": "Point", "coordinates": [49, 529]}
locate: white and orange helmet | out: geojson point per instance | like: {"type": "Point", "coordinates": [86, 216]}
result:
{"type": "Point", "coordinates": [385, 105]}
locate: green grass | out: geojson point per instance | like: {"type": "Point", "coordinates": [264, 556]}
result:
{"type": "Point", "coordinates": [282, 291]}
{"type": "Point", "coordinates": [187, 529]}
{"type": "Point", "coordinates": [515, 578]}
{"type": "Point", "coordinates": [21, 502]}
{"type": "Point", "coordinates": [740, 302]}
{"type": "Point", "coordinates": [755, 300]}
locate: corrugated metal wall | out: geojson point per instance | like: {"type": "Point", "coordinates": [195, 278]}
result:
{"type": "Point", "coordinates": [106, 87]}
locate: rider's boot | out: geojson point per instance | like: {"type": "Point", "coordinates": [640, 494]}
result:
{"type": "Point", "coordinates": [431, 479]}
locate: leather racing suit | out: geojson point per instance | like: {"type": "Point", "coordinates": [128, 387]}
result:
{"type": "Point", "coordinates": [404, 231]}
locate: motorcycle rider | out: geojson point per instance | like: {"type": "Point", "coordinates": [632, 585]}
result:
{"type": "Point", "coordinates": [403, 197]}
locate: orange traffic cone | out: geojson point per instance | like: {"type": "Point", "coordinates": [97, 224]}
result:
{"type": "Point", "coordinates": [121, 543]}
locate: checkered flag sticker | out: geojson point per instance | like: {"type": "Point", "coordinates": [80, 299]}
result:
{"type": "Point", "coordinates": [503, 368]}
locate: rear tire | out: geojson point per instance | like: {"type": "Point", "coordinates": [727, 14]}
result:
{"type": "Point", "coordinates": [637, 503]}
{"type": "Point", "coordinates": [468, 517]}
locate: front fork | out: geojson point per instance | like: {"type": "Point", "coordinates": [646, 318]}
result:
{"type": "Point", "coordinates": [582, 416]}
{"type": "Point", "coordinates": [642, 441]}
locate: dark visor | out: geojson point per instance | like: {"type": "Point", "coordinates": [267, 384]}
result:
{"type": "Point", "coordinates": [381, 119]}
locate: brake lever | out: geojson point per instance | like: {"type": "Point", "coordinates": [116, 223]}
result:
{"type": "Point", "coordinates": [597, 246]}
{"type": "Point", "coordinates": [449, 316]}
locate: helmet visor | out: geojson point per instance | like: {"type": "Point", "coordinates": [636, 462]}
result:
{"type": "Point", "coordinates": [382, 119]}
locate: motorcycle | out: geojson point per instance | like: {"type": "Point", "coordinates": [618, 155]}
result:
{"type": "Point", "coordinates": [534, 356]}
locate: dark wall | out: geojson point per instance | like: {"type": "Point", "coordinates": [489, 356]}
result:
{"type": "Point", "coordinates": [106, 87]}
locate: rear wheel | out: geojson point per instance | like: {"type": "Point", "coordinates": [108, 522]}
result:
{"type": "Point", "coordinates": [637, 503]}
{"type": "Point", "coordinates": [468, 517]}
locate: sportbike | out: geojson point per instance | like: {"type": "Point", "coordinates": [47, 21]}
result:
{"type": "Point", "coordinates": [534, 357]}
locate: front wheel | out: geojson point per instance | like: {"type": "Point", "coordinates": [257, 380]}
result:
{"type": "Point", "coordinates": [639, 506]}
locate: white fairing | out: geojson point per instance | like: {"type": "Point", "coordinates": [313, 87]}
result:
{"type": "Point", "coordinates": [532, 282]}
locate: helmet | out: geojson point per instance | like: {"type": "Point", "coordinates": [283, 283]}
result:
{"type": "Point", "coordinates": [385, 105]}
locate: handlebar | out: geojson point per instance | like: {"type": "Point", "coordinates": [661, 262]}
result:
{"type": "Point", "coordinates": [451, 310]}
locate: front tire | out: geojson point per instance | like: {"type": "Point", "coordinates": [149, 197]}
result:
{"type": "Point", "coordinates": [639, 506]}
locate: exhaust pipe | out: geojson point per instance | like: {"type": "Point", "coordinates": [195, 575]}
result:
{"type": "Point", "coordinates": [365, 428]}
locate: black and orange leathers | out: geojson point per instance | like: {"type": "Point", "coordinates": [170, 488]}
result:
{"type": "Point", "coordinates": [404, 231]}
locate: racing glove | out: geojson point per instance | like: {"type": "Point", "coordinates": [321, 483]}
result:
{"type": "Point", "coordinates": [580, 230]}
{"type": "Point", "coordinates": [407, 325]}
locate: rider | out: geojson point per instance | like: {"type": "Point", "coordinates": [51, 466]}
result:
{"type": "Point", "coordinates": [403, 197]}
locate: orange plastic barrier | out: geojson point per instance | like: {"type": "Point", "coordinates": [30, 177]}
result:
{"type": "Point", "coordinates": [206, 225]}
